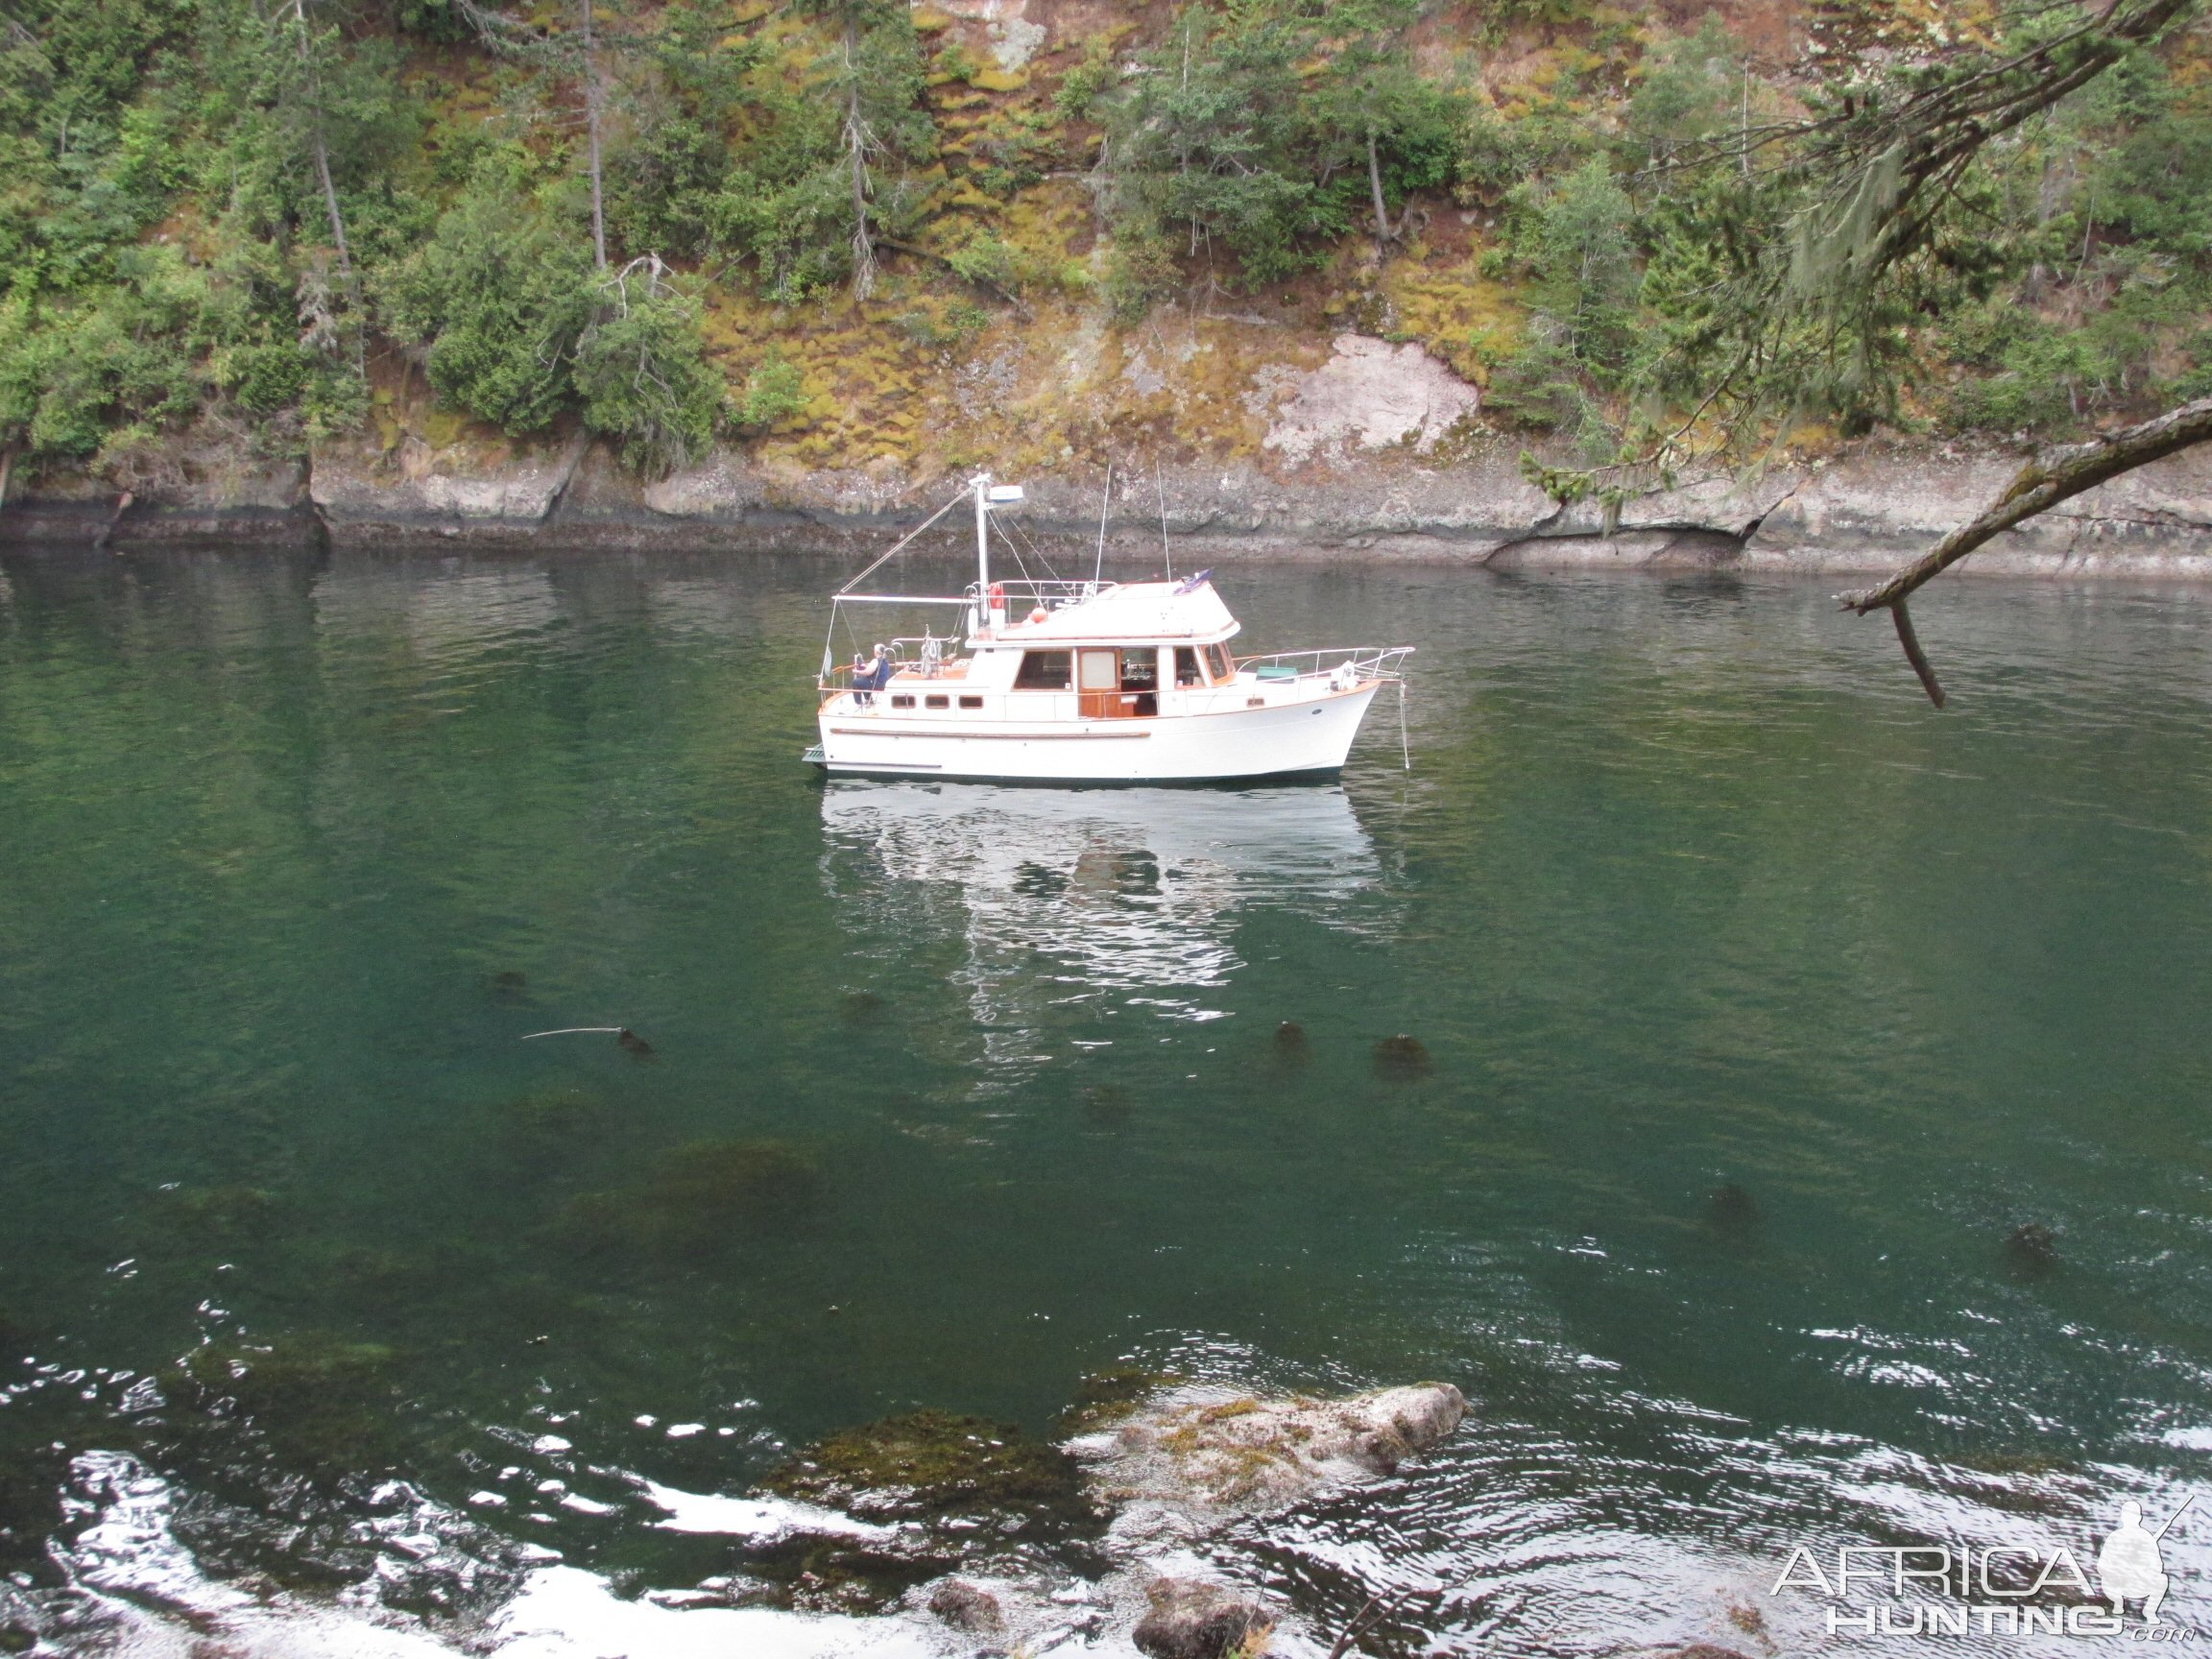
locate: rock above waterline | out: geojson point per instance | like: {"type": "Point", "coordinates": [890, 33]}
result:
{"type": "Point", "coordinates": [1191, 1619]}
{"type": "Point", "coordinates": [1210, 1449]}
{"type": "Point", "coordinates": [927, 1464]}
{"type": "Point", "coordinates": [965, 1606]}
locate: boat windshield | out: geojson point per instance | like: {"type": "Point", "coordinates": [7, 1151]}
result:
{"type": "Point", "coordinates": [1045, 671]}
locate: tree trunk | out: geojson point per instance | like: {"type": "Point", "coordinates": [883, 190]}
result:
{"type": "Point", "coordinates": [322, 148]}
{"type": "Point", "coordinates": [1384, 235]}
{"type": "Point", "coordinates": [591, 126]}
{"type": "Point", "coordinates": [856, 142]}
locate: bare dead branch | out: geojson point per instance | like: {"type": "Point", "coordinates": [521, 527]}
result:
{"type": "Point", "coordinates": [2043, 484]}
{"type": "Point", "coordinates": [1914, 655]}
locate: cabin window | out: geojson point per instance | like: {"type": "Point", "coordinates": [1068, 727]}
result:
{"type": "Point", "coordinates": [937, 702]}
{"type": "Point", "coordinates": [904, 700]}
{"type": "Point", "coordinates": [971, 701]}
{"type": "Point", "coordinates": [1217, 660]}
{"type": "Point", "coordinates": [1187, 667]}
{"type": "Point", "coordinates": [1140, 669]}
{"type": "Point", "coordinates": [1101, 670]}
{"type": "Point", "coordinates": [1045, 671]}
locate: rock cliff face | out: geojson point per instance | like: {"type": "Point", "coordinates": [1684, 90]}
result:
{"type": "Point", "coordinates": [1368, 453]}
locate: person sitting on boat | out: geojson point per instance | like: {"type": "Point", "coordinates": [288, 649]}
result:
{"type": "Point", "coordinates": [871, 677]}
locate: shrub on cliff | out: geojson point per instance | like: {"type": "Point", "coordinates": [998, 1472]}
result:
{"type": "Point", "coordinates": [643, 373]}
{"type": "Point", "coordinates": [500, 297]}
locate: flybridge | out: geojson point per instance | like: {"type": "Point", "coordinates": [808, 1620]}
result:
{"type": "Point", "coordinates": [1081, 681]}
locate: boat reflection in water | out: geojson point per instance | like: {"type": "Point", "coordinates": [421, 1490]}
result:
{"type": "Point", "coordinates": [1081, 900]}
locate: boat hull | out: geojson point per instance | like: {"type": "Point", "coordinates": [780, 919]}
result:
{"type": "Point", "coordinates": [1310, 735]}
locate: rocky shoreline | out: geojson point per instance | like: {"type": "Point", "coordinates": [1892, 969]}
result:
{"type": "Point", "coordinates": [1859, 512]}
{"type": "Point", "coordinates": [1374, 456]}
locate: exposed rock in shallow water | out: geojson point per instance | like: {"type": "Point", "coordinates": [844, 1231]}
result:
{"type": "Point", "coordinates": [1210, 1452]}
{"type": "Point", "coordinates": [932, 1464]}
{"type": "Point", "coordinates": [965, 1607]}
{"type": "Point", "coordinates": [1107, 1397]}
{"type": "Point", "coordinates": [1191, 1619]}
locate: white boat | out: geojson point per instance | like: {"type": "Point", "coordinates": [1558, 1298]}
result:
{"type": "Point", "coordinates": [1086, 683]}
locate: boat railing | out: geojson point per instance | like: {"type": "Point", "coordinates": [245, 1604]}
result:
{"type": "Point", "coordinates": [1364, 662]}
{"type": "Point", "coordinates": [929, 654]}
{"type": "Point", "coordinates": [1051, 595]}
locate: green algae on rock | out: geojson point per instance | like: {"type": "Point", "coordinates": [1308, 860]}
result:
{"type": "Point", "coordinates": [1107, 1396]}
{"type": "Point", "coordinates": [930, 1463]}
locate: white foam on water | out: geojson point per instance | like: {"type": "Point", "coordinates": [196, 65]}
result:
{"type": "Point", "coordinates": [566, 1613]}
{"type": "Point", "coordinates": [763, 1520]}
{"type": "Point", "coordinates": [159, 1604]}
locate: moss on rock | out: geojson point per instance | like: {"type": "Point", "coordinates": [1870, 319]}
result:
{"type": "Point", "coordinates": [1106, 1396]}
{"type": "Point", "coordinates": [930, 1463]}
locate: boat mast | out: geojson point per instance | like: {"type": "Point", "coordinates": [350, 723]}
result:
{"type": "Point", "coordinates": [982, 483]}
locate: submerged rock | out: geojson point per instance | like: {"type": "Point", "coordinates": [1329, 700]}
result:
{"type": "Point", "coordinates": [548, 1122]}
{"type": "Point", "coordinates": [694, 1196]}
{"type": "Point", "coordinates": [862, 1008]}
{"type": "Point", "coordinates": [1106, 1105]}
{"type": "Point", "coordinates": [1730, 1209]}
{"type": "Point", "coordinates": [2032, 1250]}
{"type": "Point", "coordinates": [1208, 1453]}
{"type": "Point", "coordinates": [1400, 1059]}
{"type": "Point", "coordinates": [926, 1464]}
{"type": "Point", "coordinates": [1191, 1619]}
{"type": "Point", "coordinates": [228, 1214]}
{"type": "Point", "coordinates": [321, 1403]}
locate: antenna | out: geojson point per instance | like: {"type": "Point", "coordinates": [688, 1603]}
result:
{"type": "Point", "coordinates": [1105, 504]}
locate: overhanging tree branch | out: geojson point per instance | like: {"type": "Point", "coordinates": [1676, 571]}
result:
{"type": "Point", "coordinates": [2041, 485]}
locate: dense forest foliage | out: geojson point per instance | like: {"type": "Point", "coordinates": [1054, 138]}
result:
{"type": "Point", "coordinates": [246, 219]}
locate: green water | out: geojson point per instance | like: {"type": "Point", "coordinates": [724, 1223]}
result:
{"type": "Point", "coordinates": [1687, 888]}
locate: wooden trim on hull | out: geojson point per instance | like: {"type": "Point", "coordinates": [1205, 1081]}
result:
{"type": "Point", "coordinates": [910, 769]}
{"type": "Point", "coordinates": [918, 730]}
